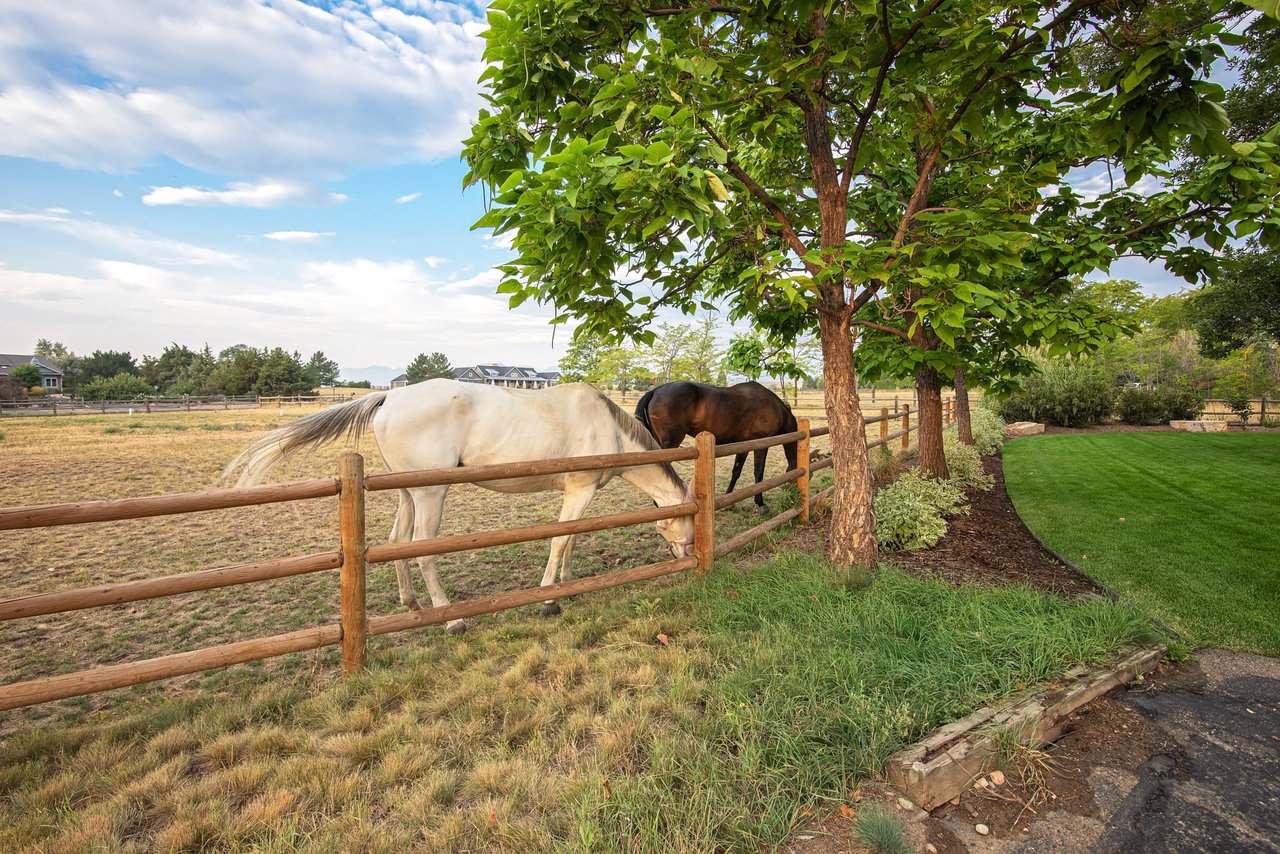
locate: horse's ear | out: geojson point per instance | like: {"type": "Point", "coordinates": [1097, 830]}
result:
{"type": "Point", "coordinates": [688, 495]}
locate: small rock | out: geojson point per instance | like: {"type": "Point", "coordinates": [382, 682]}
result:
{"type": "Point", "coordinates": [930, 848]}
{"type": "Point", "coordinates": [906, 804]}
{"type": "Point", "coordinates": [982, 783]}
{"type": "Point", "coordinates": [997, 777]}
{"type": "Point", "coordinates": [982, 829]}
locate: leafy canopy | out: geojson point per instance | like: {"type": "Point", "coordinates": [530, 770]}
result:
{"type": "Point", "coordinates": [783, 157]}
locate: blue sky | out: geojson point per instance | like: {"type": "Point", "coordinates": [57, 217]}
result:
{"type": "Point", "coordinates": [267, 173]}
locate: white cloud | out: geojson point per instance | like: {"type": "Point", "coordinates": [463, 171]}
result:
{"type": "Point", "coordinates": [298, 236]}
{"type": "Point", "coordinates": [267, 194]}
{"type": "Point", "coordinates": [434, 261]}
{"type": "Point", "coordinates": [115, 239]}
{"type": "Point", "coordinates": [410, 197]}
{"type": "Point", "coordinates": [57, 210]}
{"type": "Point", "coordinates": [245, 88]}
{"type": "Point", "coordinates": [117, 194]}
{"type": "Point", "coordinates": [499, 241]}
{"type": "Point", "coordinates": [15, 216]}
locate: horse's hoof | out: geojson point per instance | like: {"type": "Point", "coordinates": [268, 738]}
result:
{"type": "Point", "coordinates": [550, 609]}
{"type": "Point", "coordinates": [456, 627]}
{"type": "Point", "coordinates": [762, 509]}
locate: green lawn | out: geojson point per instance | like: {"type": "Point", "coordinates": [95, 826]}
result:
{"type": "Point", "coordinates": [1185, 525]}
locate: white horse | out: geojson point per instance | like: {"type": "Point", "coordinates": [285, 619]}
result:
{"type": "Point", "coordinates": [443, 423]}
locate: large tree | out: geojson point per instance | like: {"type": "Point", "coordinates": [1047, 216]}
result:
{"type": "Point", "coordinates": [1242, 304]}
{"type": "Point", "coordinates": [106, 364]}
{"type": "Point", "coordinates": [818, 163]}
{"type": "Point", "coordinates": [321, 370]}
{"type": "Point", "coordinates": [424, 367]}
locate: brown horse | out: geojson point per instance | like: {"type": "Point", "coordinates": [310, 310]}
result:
{"type": "Point", "coordinates": [734, 414]}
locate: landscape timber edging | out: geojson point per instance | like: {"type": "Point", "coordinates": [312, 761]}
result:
{"type": "Point", "coordinates": [937, 769]}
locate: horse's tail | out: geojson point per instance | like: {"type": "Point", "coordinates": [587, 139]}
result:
{"type": "Point", "coordinates": [642, 410]}
{"type": "Point", "coordinates": [326, 426]}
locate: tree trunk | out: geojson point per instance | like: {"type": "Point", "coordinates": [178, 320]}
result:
{"type": "Point", "coordinates": [929, 410]}
{"type": "Point", "coordinates": [963, 425]}
{"type": "Point", "coordinates": [853, 526]}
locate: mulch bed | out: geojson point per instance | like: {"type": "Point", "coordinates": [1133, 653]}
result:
{"type": "Point", "coordinates": [991, 546]}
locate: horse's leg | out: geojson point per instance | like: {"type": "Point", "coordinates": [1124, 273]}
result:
{"type": "Point", "coordinates": [738, 461]}
{"type": "Point", "coordinates": [428, 509]}
{"type": "Point", "coordinates": [576, 499]}
{"type": "Point", "coordinates": [761, 456]}
{"type": "Point", "coordinates": [402, 531]}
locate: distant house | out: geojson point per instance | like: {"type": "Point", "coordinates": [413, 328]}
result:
{"type": "Point", "coordinates": [400, 381]}
{"type": "Point", "coordinates": [50, 377]}
{"type": "Point", "coordinates": [510, 376]}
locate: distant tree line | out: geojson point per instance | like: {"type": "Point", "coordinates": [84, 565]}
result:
{"type": "Point", "coordinates": [179, 370]}
{"type": "Point", "coordinates": [685, 351]}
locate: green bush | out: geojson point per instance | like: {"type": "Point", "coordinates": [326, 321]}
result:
{"type": "Point", "coordinates": [988, 431]}
{"type": "Point", "coordinates": [1065, 393]}
{"type": "Point", "coordinates": [122, 386]}
{"type": "Point", "coordinates": [910, 511]}
{"type": "Point", "coordinates": [965, 464]}
{"type": "Point", "coordinates": [1160, 405]}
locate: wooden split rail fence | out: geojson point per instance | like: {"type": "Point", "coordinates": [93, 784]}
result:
{"type": "Point", "coordinates": [353, 556]}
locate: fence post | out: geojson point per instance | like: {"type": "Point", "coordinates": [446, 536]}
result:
{"type": "Point", "coordinates": [884, 427]}
{"type": "Point", "coordinates": [351, 582]}
{"type": "Point", "coordinates": [704, 492]}
{"type": "Point", "coordinates": [906, 425]}
{"type": "Point", "coordinates": [802, 459]}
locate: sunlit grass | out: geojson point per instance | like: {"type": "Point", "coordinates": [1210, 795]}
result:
{"type": "Point", "coordinates": [1185, 525]}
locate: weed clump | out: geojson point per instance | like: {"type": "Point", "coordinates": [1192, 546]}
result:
{"type": "Point", "coordinates": [880, 830]}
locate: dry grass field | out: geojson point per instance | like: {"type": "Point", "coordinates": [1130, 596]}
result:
{"type": "Point", "coordinates": [52, 460]}
{"type": "Point", "coordinates": [681, 715]}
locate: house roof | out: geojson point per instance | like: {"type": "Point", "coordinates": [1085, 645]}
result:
{"type": "Point", "coordinates": [7, 362]}
{"type": "Point", "coordinates": [404, 377]}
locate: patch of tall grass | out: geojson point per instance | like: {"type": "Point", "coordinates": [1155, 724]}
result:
{"type": "Point", "coordinates": [819, 684]}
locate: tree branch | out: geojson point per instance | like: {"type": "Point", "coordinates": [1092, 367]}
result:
{"type": "Point", "coordinates": [761, 195]}
{"type": "Point", "coordinates": [871, 324]}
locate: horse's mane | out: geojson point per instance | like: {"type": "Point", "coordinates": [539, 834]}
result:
{"type": "Point", "coordinates": [637, 431]}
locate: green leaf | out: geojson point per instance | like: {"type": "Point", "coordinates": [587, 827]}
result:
{"type": "Point", "coordinates": [717, 186]}
{"type": "Point", "coordinates": [1270, 8]}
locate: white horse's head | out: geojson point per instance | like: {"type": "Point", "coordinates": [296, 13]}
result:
{"type": "Point", "coordinates": [678, 532]}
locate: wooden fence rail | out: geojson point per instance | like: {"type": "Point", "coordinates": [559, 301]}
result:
{"type": "Point", "coordinates": [351, 487]}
